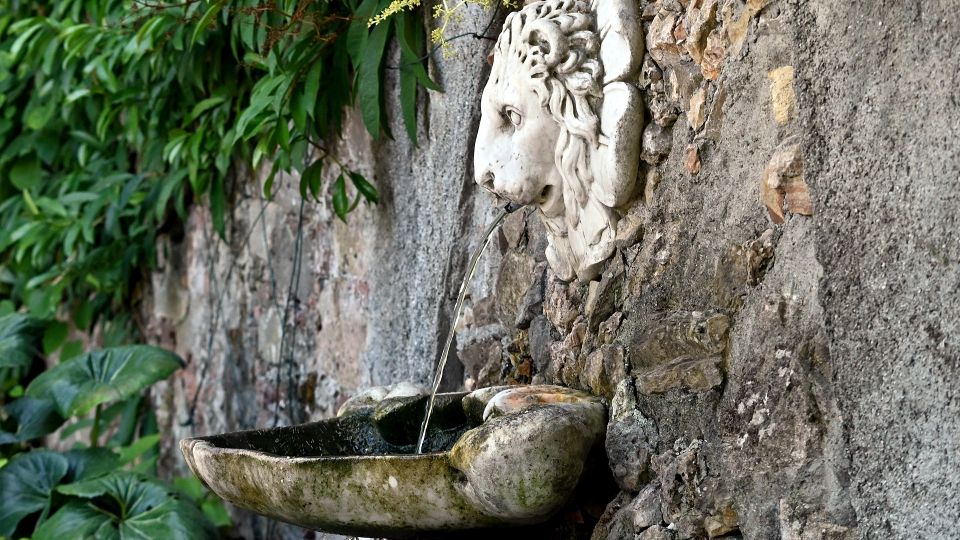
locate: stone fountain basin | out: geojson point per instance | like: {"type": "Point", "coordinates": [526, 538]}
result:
{"type": "Point", "coordinates": [498, 456]}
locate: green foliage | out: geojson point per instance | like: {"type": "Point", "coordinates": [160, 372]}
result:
{"type": "Point", "coordinates": [125, 505]}
{"type": "Point", "coordinates": [18, 333]}
{"type": "Point", "coordinates": [92, 491]}
{"type": "Point", "coordinates": [80, 384]}
{"type": "Point", "coordinates": [29, 418]}
{"type": "Point", "coordinates": [27, 483]}
{"type": "Point", "coordinates": [115, 117]}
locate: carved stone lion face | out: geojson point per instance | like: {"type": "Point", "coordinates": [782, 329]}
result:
{"type": "Point", "coordinates": [560, 128]}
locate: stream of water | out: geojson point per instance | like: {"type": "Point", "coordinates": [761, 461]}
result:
{"type": "Point", "coordinates": [458, 308]}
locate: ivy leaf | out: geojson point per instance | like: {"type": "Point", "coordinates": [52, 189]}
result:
{"type": "Point", "coordinates": [364, 187]}
{"type": "Point", "coordinates": [26, 483]}
{"type": "Point", "coordinates": [149, 511]}
{"type": "Point", "coordinates": [81, 383]}
{"type": "Point", "coordinates": [19, 340]}
{"type": "Point", "coordinates": [341, 205]}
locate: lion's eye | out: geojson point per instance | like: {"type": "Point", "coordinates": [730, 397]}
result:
{"type": "Point", "coordinates": [512, 115]}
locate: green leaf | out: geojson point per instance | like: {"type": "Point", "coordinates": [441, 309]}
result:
{"type": "Point", "coordinates": [87, 463]}
{"type": "Point", "coordinates": [283, 135]}
{"type": "Point", "coordinates": [30, 418]}
{"type": "Point", "coordinates": [408, 102]}
{"type": "Point", "coordinates": [210, 504]}
{"type": "Point", "coordinates": [203, 107]}
{"type": "Point", "coordinates": [26, 173]}
{"type": "Point", "coordinates": [410, 35]}
{"type": "Point", "coordinates": [341, 205]}
{"type": "Point", "coordinates": [409, 29]}
{"type": "Point", "coordinates": [76, 519]}
{"type": "Point", "coordinates": [357, 33]}
{"type": "Point", "coordinates": [312, 85]}
{"type": "Point", "coordinates": [311, 179]}
{"type": "Point", "coordinates": [31, 206]}
{"type": "Point", "coordinates": [54, 336]}
{"type": "Point", "coordinates": [368, 81]}
{"type": "Point", "coordinates": [26, 483]}
{"type": "Point", "coordinates": [139, 447]}
{"type": "Point", "coordinates": [38, 117]}
{"type": "Point", "coordinates": [218, 207]}
{"type": "Point", "coordinates": [19, 340]}
{"type": "Point", "coordinates": [127, 425]}
{"type": "Point", "coordinates": [79, 384]}
{"type": "Point", "coordinates": [205, 21]}
{"type": "Point", "coordinates": [268, 185]}
{"type": "Point", "coordinates": [148, 511]}
{"type": "Point", "coordinates": [364, 187]}
{"type": "Point", "coordinates": [71, 349]}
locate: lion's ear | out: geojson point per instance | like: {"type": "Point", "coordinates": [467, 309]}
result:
{"type": "Point", "coordinates": [546, 38]}
{"type": "Point", "coordinates": [621, 123]}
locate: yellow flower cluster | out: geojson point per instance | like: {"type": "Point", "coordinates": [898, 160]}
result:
{"type": "Point", "coordinates": [445, 12]}
{"type": "Point", "coordinates": [395, 7]}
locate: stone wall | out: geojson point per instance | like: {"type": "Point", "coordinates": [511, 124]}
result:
{"type": "Point", "coordinates": [776, 334]}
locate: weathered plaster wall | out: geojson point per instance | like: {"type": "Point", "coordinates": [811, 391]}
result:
{"type": "Point", "coordinates": [777, 332]}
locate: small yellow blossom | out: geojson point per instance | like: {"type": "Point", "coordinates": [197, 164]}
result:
{"type": "Point", "coordinates": [444, 11]}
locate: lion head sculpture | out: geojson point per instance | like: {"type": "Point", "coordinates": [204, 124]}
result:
{"type": "Point", "coordinates": [561, 123]}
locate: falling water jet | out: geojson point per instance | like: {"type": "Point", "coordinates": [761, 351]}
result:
{"type": "Point", "coordinates": [458, 308]}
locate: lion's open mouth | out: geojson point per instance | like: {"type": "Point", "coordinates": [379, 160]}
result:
{"type": "Point", "coordinates": [545, 194]}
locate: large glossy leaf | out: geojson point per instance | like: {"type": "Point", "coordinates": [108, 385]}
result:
{"type": "Point", "coordinates": [81, 383]}
{"type": "Point", "coordinates": [87, 463]}
{"type": "Point", "coordinates": [29, 418]}
{"type": "Point", "coordinates": [128, 504]}
{"type": "Point", "coordinates": [19, 340]}
{"type": "Point", "coordinates": [26, 483]}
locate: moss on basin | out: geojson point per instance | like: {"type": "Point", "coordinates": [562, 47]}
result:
{"type": "Point", "coordinates": [342, 475]}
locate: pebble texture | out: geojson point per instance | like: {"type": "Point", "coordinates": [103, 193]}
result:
{"type": "Point", "coordinates": [777, 332]}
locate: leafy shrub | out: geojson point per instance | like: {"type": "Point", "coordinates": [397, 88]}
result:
{"type": "Point", "coordinates": [104, 489]}
{"type": "Point", "coordinates": [116, 116]}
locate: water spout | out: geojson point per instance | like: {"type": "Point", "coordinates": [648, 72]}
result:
{"type": "Point", "coordinates": [508, 208]}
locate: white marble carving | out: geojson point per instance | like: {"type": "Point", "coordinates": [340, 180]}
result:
{"type": "Point", "coordinates": [561, 123]}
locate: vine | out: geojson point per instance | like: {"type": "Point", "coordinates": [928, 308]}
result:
{"type": "Point", "coordinates": [116, 116]}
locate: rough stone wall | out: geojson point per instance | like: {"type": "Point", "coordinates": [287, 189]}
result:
{"type": "Point", "coordinates": [777, 332]}
{"type": "Point", "coordinates": [293, 313]}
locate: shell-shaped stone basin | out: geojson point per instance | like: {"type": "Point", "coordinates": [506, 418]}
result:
{"type": "Point", "coordinates": [495, 457]}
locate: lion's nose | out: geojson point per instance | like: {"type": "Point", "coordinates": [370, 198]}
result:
{"type": "Point", "coordinates": [487, 181]}
{"type": "Point", "coordinates": [500, 186]}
